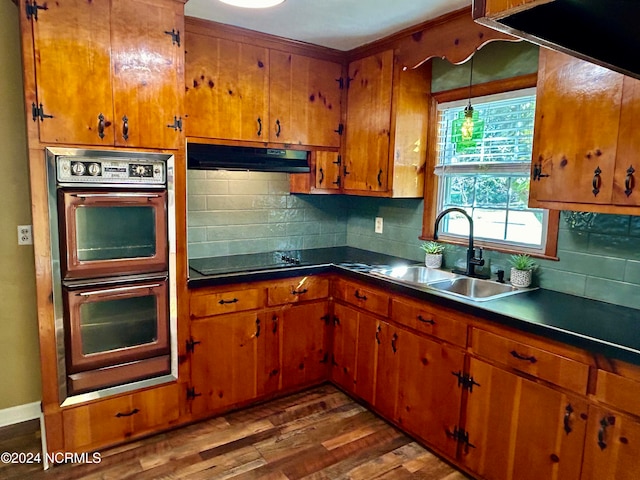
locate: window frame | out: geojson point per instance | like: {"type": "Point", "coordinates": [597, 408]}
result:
{"type": "Point", "coordinates": [432, 185]}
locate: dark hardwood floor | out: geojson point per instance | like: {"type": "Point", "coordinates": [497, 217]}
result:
{"type": "Point", "coordinates": [317, 434]}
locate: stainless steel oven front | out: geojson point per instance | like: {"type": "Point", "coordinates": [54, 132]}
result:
{"type": "Point", "coordinates": [112, 231]}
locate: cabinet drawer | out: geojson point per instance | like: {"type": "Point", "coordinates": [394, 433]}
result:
{"type": "Point", "coordinates": [114, 420]}
{"type": "Point", "coordinates": [364, 297]}
{"type": "Point", "coordinates": [298, 289]}
{"type": "Point", "coordinates": [546, 365]}
{"type": "Point", "coordinates": [205, 304]}
{"type": "Point", "coordinates": [619, 392]}
{"type": "Point", "coordinates": [430, 319]}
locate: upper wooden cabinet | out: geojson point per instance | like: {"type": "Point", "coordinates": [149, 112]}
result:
{"type": "Point", "coordinates": [585, 144]}
{"type": "Point", "coordinates": [387, 114]}
{"type": "Point", "coordinates": [240, 91]}
{"type": "Point", "coordinates": [102, 79]}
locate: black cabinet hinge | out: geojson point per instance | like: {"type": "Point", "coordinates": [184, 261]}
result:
{"type": "Point", "coordinates": [337, 182]}
{"type": "Point", "coordinates": [340, 129]}
{"type": "Point", "coordinates": [460, 436]}
{"type": "Point", "coordinates": [340, 83]}
{"type": "Point", "coordinates": [191, 345]}
{"type": "Point", "coordinates": [32, 9]}
{"type": "Point", "coordinates": [465, 381]}
{"type": "Point", "coordinates": [38, 112]}
{"type": "Point", "coordinates": [191, 393]}
{"type": "Point", "coordinates": [177, 124]}
{"type": "Point", "coordinates": [338, 161]}
{"type": "Point", "coordinates": [326, 319]}
{"type": "Point", "coordinates": [175, 36]}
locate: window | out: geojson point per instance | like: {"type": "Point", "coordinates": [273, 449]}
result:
{"type": "Point", "coordinates": [488, 175]}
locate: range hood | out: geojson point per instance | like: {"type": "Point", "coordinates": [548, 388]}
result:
{"type": "Point", "coordinates": [605, 32]}
{"type": "Point", "coordinates": [201, 156]}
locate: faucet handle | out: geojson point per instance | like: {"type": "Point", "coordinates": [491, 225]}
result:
{"type": "Point", "coordinates": [479, 253]}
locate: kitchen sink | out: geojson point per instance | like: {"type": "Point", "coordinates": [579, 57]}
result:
{"type": "Point", "coordinates": [475, 289]}
{"type": "Point", "coordinates": [417, 274]}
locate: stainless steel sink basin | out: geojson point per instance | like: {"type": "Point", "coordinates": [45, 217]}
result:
{"type": "Point", "coordinates": [416, 274]}
{"type": "Point", "coordinates": [469, 288]}
{"type": "Point", "coordinates": [475, 288]}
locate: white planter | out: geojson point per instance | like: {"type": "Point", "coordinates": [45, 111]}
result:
{"type": "Point", "coordinates": [433, 260]}
{"type": "Point", "coordinates": [521, 278]}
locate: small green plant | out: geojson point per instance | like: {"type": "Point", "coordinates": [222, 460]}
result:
{"type": "Point", "coordinates": [432, 247]}
{"type": "Point", "coordinates": [522, 261]}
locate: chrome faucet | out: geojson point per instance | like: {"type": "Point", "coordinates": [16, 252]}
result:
{"type": "Point", "coordinates": [472, 260]}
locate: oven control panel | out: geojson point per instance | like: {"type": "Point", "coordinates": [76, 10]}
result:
{"type": "Point", "coordinates": [101, 170]}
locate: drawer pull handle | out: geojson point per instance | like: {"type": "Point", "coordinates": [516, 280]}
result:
{"type": "Point", "coordinates": [628, 181]}
{"type": "Point", "coordinates": [223, 301]}
{"type": "Point", "coordinates": [274, 319]}
{"type": "Point", "coordinates": [257, 327]}
{"type": "Point", "coordinates": [394, 339]}
{"type": "Point", "coordinates": [360, 297]}
{"type": "Point", "coordinates": [595, 183]}
{"type": "Point", "coordinates": [299, 292]}
{"type": "Point", "coordinates": [321, 177]}
{"type": "Point", "coordinates": [426, 320]}
{"type": "Point", "coordinates": [378, 334]}
{"type": "Point", "coordinates": [531, 359]}
{"type": "Point", "coordinates": [567, 418]}
{"type": "Point", "coordinates": [132, 412]}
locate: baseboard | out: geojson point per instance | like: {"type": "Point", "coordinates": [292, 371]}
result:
{"type": "Point", "coordinates": [20, 413]}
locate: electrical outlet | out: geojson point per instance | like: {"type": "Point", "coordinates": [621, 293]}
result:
{"type": "Point", "coordinates": [24, 235]}
{"type": "Point", "coordinates": [378, 228]}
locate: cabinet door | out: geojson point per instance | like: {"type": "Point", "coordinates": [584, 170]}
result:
{"type": "Point", "coordinates": [368, 130]}
{"type": "Point", "coordinates": [428, 394]}
{"type": "Point", "coordinates": [387, 372]}
{"type": "Point", "coordinates": [576, 130]}
{"type": "Point", "coordinates": [148, 64]}
{"type": "Point", "coordinates": [227, 87]}
{"type": "Point", "coordinates": [345, 341]}
{"type": "Point", "coordinates": [224, 364]}
{"type": "Point", "coordinates": [626, 189]}
{"type": "Point", "coordinates": [268, 353]}
{"type": "Point", "coordinates": [304, 103]}
{"type": "Point", "coordinates": [328, 170]}
{"type": "Point", "coordinates": [521, 429]}
{"type": "Point", "coordinates": [612, 446]}
{"type": "Point", "coordinates": [305, 357]}
{"type": "Point", "coordinates": [73, 71]}
{"type": "Point", "coordinates": [367, 357]}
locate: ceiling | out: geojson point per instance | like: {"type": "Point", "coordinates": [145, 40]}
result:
{"type": "Point", "coordinates": [339, 24]}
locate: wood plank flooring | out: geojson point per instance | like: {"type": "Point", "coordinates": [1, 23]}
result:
{"type": "Point", "coordinates": [318, 434]}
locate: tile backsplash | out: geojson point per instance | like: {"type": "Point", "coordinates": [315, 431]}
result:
{"type": "Point", "coordinates": [250, 212]}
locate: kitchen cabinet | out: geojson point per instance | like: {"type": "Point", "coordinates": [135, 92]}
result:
{"type": "Point", "coordinates": [305, 352]}
{"type": "Point", "coordinates": [103, 79]}
{"type": "Point", "coordinates": [240, 91]}
{"type": "Point", "coordinates": [584, 140]}
{"type": "Point", "coordinates": [344, 347]}
{"type": "Point", "coordinates": [327, 170]}
{"type": "Point", "coordinates": [387, 114]}
{"type": "Point", "coordinates": [612, 446]}
{"type": "Point", "coordinates": [117, 419]}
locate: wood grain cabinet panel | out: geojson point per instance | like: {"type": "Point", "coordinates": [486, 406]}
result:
{"type": "Point", "coordinates": [298, 289]}
{"type": "Point", "coordinates": [205, 303]}
{"type": "Point", "coordinates": [344, 347]}
{"type": "Point", "coordinates": [103, 79]}
{"type": "Point", "coordinates": [227, 89]}
{"type": "Point", "coordinates": [548, 366]}
{"type": "Point", "coordinates": [327, 170]}
{"type": "Point", "coordinates": [621, 392]}
{"type": "Point", "coordinates": [520, 429]}
{"type": "Point", "coordinates": [585, 140]}
{"type": "Point", "coordinates": [114, 420]}
{"type": "Point", "coordinates": [363, 296]}
{"type": "Point", "coordinates": [612, 446]}
{"type": "Point", "coordinates": [387, 116]}
{"type": "Point", "coordinates": [430, 319]}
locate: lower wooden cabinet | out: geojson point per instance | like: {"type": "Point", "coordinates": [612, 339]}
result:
{"type": "Point", "coordinates": [115, 420]}
{"type": "Point", "coordinates": [305, 352]}
{"type": "Point", "coordinates": [612, 446]}
{"type": "Point", "coordinates": [518, 429]}
{"type": "Point", "coordinates": [344, 347]}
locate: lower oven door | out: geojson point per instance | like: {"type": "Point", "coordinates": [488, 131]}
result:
{"type": "Point", "coordinates": [122, 328]}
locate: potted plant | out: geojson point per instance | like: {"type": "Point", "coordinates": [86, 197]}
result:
{"type": "Point", "coordinates": [432, 254]}
{"type": "Point", "coordinates": [522, 267]}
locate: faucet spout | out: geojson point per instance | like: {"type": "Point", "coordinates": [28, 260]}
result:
{"type": "Point", "coordinates": [472, 261]}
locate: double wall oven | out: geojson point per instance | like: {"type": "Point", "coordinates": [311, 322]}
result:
{"type": "Point", "coordinates": [112, 230]}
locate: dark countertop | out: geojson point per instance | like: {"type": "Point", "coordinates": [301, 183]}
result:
{"type": "Point", "coordinates": [596, 326]}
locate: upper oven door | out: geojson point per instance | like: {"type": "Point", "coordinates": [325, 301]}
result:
{"type": "Point", "coordinates": [106, 233]}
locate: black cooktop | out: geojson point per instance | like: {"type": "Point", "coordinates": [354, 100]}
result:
{"type": "Point", "coordinates": [249, 262]}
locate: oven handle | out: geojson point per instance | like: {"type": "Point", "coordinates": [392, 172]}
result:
{"type": "Point", "coordinates": [109, 195]}
{"type": "Point", "coordinates": [118, 289]}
